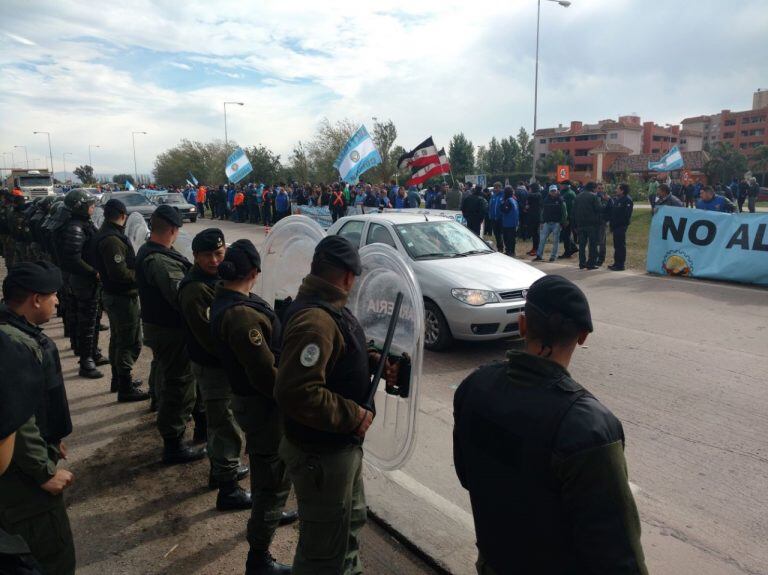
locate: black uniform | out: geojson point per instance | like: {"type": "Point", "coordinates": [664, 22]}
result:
{"type": "Point", "coordinates": [619, 218]}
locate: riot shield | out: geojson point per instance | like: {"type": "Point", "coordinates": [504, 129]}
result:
{"type": "Point", "coordinates": [98, 216]}
{"type": "Point", "coordinates": [183, 244]}
{"type": "Point", "coordinates": [286, 258]}
{"type": "Point", "coordinates": [392, 435]}
{"type": "Point", "coordinates": [136, 230]}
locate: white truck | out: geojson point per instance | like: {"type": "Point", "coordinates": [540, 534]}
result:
{"type": "Point", "coordinates": [32, 183]}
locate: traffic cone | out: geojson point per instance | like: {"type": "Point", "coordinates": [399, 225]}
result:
{"type": "Point", "coordinates": [266, 230]}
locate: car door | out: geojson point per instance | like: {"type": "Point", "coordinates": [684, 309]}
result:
{"type": "Point", "coordinates": [353, 231]}
{"type": "Point", "coordinates": [379, 234]}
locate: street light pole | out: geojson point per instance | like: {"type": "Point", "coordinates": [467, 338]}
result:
{"type": "Point", "coordinates": [90, 161]}
{"type": "Point", "coordinates": [25, 154]}
{"type": "Point", "coordinates": [226, 136]}
{"type": "Point", "coordinates": [564, 4]}
{"type": "Point", "coordinates": [135, 169]}
{"type": "Point", "coordinates": [50, 150]}
{"type": "Point", "coordinates": [64, 162]}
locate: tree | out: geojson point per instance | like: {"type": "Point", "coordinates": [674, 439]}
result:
{"type": "Point", "coordinates": [84, 174]}
{"type": "Point", "coordinates": [725, 163]}
{"type": "Point", "coordinates": [325, 147]}
{"type": "Point", "coordinates": [384, 136]}
{"type": "Point", "coordinates": [481, 160]}
{"type": "Point", "coordinates": [759, 161]}
{"type": "Point", "coordinates": [511, 151]}
{"type": "Point", "coordinates": [122, 178]}
{"type": "Point", "coordinates": [394, 156]}
{"type": "Point", "coordinates": [549, 163]}
{"type": "Point", "coordinates": [495, 157]}
{"type": "Point", "coordinates": [205, 160]}
{"type": "Point", "coordinates": [462, 155]}
{"type": "Point", "coordinates": [266, 165]}
{"type": "Point", "coordinates": [299, 163]}
{"type": "Point", "coordinates": [525, 142]}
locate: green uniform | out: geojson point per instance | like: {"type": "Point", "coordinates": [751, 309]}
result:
{"type": "Point", "coordinates": [159, 270]}
{"type": "Point", "coordinates": [115, 260]}
{"type": "Point", "coordinates": [323, 378]}
{"type": "Point", "coordinates": [225, 441]}
{"type": "Point", "coordinates": [244, 333]}
{"type": "Point", "coordinates": [26, 509]}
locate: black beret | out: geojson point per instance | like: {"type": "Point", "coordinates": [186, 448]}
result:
{"type": "Point", "coordinates": [208, 240]}
{"type": "Point", "coordinates": [555, 294]}
{"type": "Point", "coordinates": [338, 251]}
{"type": "Point", "coordinates": [116, 206]}
{"type": "Point", "coordinates": [241, 258]}
{"type": "Point", "coordinates": [169, 214]}
{"type": "Point", "coordinates": [38, 277]}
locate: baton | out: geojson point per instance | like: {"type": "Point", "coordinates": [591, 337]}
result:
{"type": "Point", "coordinates": [384, 351]}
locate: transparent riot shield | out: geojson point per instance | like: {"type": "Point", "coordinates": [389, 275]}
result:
{"type": "Point", "coordinates": [286, 258]}
{"type": "Point", "coordinates": [391, 438]}
{"type": "Point", "coordinates": [98, 216]}
{"type": "Point", "coordinates": [183, 244]}
{"type": "Point", "coordinates": [136, 229]}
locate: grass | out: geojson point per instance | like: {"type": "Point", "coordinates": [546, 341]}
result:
{"type": "Point", "coordinates": [637, 243]}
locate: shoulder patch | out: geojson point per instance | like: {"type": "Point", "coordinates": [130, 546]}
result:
{"type": "Point", "coordinates": [118, 258]}
{"type": "Point", "coordinates": [310, 355]}
{"type": "Point", "coordinates": [254, 335]}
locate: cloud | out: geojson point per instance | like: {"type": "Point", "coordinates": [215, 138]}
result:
{"type": "Point", "coordinates": [434, 67]}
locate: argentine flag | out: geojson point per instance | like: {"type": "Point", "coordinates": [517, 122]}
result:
{"type": "Point", "coordinates": [129, 185]}
{"type": "Point", "coordinates": [192, 179]}
{"type": "Point", "coordinates": [672, 160]}
{"type": "Point", "coordinates": [238, 166]}
{"type": "Point", "coordinates": [357, 156]}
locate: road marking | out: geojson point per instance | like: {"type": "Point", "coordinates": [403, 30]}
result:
{"type": "Point", "coordinates": [447, 508]}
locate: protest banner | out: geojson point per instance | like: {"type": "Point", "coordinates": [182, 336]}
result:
{"type": "Point", "coordinates": [322, 214]}
{"type": "Point", "coordinates": [455, 215]}
{"type": "Point", "coordinates": [713, 245]}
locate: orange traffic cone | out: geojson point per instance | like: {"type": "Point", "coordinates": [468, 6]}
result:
{"type": "Point", "coordinates": [266, 230]}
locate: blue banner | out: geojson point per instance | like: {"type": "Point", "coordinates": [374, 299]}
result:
{"type": "Point", "coordinates": [704, 244]}
{"type": "Point", "coordinates": [322, 214]}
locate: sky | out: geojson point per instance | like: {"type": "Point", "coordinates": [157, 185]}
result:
{"type": "Point", "coordinates": [91, 73]}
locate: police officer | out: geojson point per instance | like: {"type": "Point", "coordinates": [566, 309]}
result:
{"type": "Point", "coordinates": [31, 502]}
{"type": "Point", "coordinates": [84, 285]}
{"type": "Point", "coordinates": [247, 335]}
{"type": "Point", "coordinates": [542, 458]}
{"type": "Point", "coordinates": [159, 271]}
{"type": "Point", "coordinates": [620, 217]}
{"type": "Point", "coordinates": [196, 292]}
{"type": "Point", "coordinates": [322, 382]}
{"type": "Point", "coordinates": [19, 230]}
{"type": "Point", "coordinates": [113, 256]}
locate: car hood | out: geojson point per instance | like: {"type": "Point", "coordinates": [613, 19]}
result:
{"type": "Point", "coordinates": [144, 210]}
{"type": "Point", "coordinates": [495, 272]}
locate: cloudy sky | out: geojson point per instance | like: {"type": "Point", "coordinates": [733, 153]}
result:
{"type": "Point", "coordinates": [93, 72]}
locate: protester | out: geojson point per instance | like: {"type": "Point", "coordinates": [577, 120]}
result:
{"type": "Point", "coordinates": [619, 217]}
{"type": "Point", "coordinates": [587, 213]}
{"type": "Point", "coordinates": [553, 215]}
{"type": "Point", "coordinates": [664, 197]}
{"type": "Point", "coordinates": [474, 208]}
{"type": "Point", "coordinates": [510, 219]}
{"type": "Point", "coordinates": [493, 225]}
{"type": "Point", "coordinates": [712, 202]}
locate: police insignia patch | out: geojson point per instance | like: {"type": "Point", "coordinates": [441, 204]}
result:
{"type": "Point", "coordinates": [208, 314]}
{"type": "Point", "coordinates": [310, 355]}
{"type": "Point", "coordinates": [118, 258]}
{"type": "Point", "coordinates": [255, 336]}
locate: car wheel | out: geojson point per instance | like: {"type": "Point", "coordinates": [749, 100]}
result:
{"type": "Point", "coordinates": [437, 334]}
{"type": "Point", "coordinates": [193, 219]}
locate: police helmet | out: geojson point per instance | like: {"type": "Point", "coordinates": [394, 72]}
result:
{"type": "Point", "coordinates": [78, 201]}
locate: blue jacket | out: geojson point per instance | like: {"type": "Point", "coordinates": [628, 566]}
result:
{"type": "Point", "coordinates": [230, 196]}
{"type": "Point", "coordinates": [510, 213]}
{"type": "Point", "coordinates": [282, 202]}
{"type": "Point", "coordinates": [494, 207]}
{"type": "Point", "coordinates": [401, 202]}
{"type": "Point", "coordinates": [717, 204]}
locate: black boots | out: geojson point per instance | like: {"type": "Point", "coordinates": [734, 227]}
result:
{"type": "Point", "coordinates": [232, 497]}
{"type": "Point", "coordinates": [176, 451]}
{"type": "Point", "coordinates": [129, 390]}
{"type": "Point", "coordinates": [262, 563]}
{"type": "Point", "coordinates": [88, 369]}
{"type": "Point", "coordinates": [242, 473]}
{"type": "Point", "coordinates": [288, 517]}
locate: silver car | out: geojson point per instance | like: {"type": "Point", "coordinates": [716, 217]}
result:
{"type": "Point", "coordinates": [470, 291]}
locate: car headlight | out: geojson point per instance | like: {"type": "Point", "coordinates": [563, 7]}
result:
{"type": "Point", "coordinates": [474, 296]}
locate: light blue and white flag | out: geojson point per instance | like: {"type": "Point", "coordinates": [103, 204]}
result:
{"type": "Point", "coordinates": [189, 183]}
{"type": "Point", "coordinates": [358, 155]}
{"type": "Point", "coordinates": [192, 178]}
{"type": "Point", "coordinates": [129, 185]}
{"type": "Point", "coordinates": [238, 166]}
{"type": "Point", "coordinates": [672, 160]}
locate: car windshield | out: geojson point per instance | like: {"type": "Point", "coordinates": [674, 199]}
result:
{"type": "Point", "coordinates": [170, 199]}
{"type": "Point", "coordinates": [29, 181]}
{"type": "Point", "coordinates": [442, 239]}
{"type": "Point", "coordinates": [134, 200]}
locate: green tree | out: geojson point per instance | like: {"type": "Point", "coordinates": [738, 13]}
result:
{"type": "Point", "coordinates": [511, 151]}
{"type": "Point", "coordinates": [266, 165]}
{"type": "Point", "coordinates": [384, 136]}
{"type": "Point", "coordinates": [725, 162]}
{"type": "Point", "coordinates": [549, 163]}
{"type": "Point", "coordinates": [325, 147]}
{"type": "Point", "coordinates": [299, 163]}
{"type": "Point", "coordinates": [525, 158]}
{"type": "Point", "coordinates": [394, 155]}
{"type": "Point", "coordinates": [122, 178]}
{"type": "Point", "coordinates": [84, 174]}
{"type": "Point", "coordinates": [206, 160]}
{"type": "Point", "coordinates": [495, 157]}
{"type": "Point", "coordinates": [759, 161]}
{"type": "Point", "coordinates": [462, 155]}
{"type": "Point", "coordinates": [481, 160]}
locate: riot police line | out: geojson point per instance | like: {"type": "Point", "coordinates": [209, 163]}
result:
{"type": "Point", "coordinates": [294, 378]}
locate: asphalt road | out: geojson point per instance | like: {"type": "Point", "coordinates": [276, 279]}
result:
{"type": "Point", "coordinates": [682, 363]}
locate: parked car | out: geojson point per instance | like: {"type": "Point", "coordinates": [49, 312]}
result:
{"type": "Point", "coordinates": [470, 291]}
{"type": "Point", "coordinates": [186, 210]}
{"type": "Point", "coordinates": [134, 202]}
